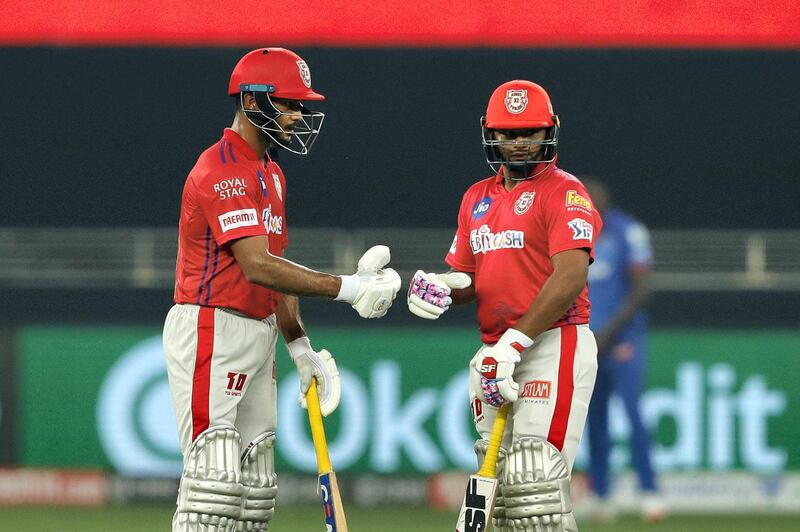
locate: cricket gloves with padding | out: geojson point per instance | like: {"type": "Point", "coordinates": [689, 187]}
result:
{"type": "Point", "coordinates": [371, 290]}
{"type": "Point", "coordinates": [429, 293]}
{"type": "Point", "coordinates": [492, 368]}
{"type": "Point", "coordinates": [319, 364]}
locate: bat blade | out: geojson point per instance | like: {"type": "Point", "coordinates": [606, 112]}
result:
{"type": "Point", "coordinates": [478, 504]}
{"type": "Point", "coordinates": [332, 503]}
{"type": "Point", "coordinates": [476, 510]}
{"type": "Point", "coordinates": [328, 487]}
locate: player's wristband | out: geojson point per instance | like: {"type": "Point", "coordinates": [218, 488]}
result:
{"type": "Point", "coordinates": [298, 346]}
{"type": "Point", "coordinates": [516, 339]}
{"type": "Point", "coordinates": [349, 288]}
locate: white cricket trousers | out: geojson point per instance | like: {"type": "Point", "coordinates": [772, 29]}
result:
{"type": "Point", "coordinates": [556, 378]}
{"type": "Point", "coordinates": [221, 370]}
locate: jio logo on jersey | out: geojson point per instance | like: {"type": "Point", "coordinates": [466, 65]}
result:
{"type": "Point", "coordinates": [481, 208]}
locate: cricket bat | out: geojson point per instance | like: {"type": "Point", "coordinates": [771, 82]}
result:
{"type": "Point", "coordinates": [476, 510]}
{"type": "Point", "coordinates": [328, 487]}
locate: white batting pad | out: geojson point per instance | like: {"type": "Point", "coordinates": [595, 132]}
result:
{"type": "Point", "coordinates": [260, 484]}
{"type": "Point", "coordinates": [536, 489]}
{"type": "Point", "coordinates": [210, 495]}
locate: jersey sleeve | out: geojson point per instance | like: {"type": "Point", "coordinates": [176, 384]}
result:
{"type": "Point", "coordinates": [460, 256]}
{"type": "Point", "coordinates": [570, 219]}
{"type": "Point", "coordinates": [230, 206]}
{"type": "Point", "coordinates": [640, 252]}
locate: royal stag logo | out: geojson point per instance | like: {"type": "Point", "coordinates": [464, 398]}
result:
{"type": "Point", "coordinates": [516, 100]}
{"type": "Point", "coordinates": [305, 73]}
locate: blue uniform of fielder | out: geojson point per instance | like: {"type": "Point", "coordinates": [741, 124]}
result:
{"type": "Point", "coordinates": [622, 249]}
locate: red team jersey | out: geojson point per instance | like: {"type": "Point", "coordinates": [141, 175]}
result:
{"type": "Point", "coordinates": [230, 193]}
{"type": "Point", "coordinates": [507, 238]}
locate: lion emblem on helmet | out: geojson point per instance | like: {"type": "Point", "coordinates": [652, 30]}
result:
{"type": "Point", "coordinates": [305, 73]}
{"type": "Point", "coordinates": [516, 100]}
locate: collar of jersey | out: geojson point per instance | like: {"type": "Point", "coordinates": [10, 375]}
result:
{"type": "Point", "coordinates": [239, 144]}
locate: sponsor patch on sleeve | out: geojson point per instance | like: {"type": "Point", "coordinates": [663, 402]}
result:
{"type": "Point", "coordinates": [581, 229]}
{"type": "Point", "coordinates": [241, 218]}
{"type": "Point", "coordinates": [453, 245]}
{"type": "Point", "coordinates": [575, 200]}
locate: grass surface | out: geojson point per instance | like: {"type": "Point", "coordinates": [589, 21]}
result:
{"type": "Point", "coordinates": [309, 519]}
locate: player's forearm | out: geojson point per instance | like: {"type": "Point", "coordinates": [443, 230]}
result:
{"type": "Point", "coordinates": [289, 278]}
{"type": "Point", "coordinates": [289, 322]}
{"type": "Point", "coordinates": [556, 296]}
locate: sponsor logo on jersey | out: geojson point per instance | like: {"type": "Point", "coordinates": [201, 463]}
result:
{"type": "Point", "coordinates": [230, 188]}
{"type": "Point", "coordinates": [574, 199]}
{"type": "Point", "coordinates": [516, 100]}
{"type": "Point", "coordinates": [524, 202]}
{"type": "Point", "coordinates": [480, 208]}
{"type": "Point", "coordinates": [581, 229]}
{"type": "Point", "coordinates": [278, 187]}
{"type": "Point", "coordinates": [305, 73]}
{"type": "Point", "coordinates": [235, 384]}
{"type": "Point", "coordinates": [273, 224]}
{"type": "Point", "coordinates": [483, 240]}
{"type": "Point", "coordinates": [241, 218]}
{"type": "Point", "coordinates": [453, 245]}
{"type": "Point", "coordinates": [537, 389]}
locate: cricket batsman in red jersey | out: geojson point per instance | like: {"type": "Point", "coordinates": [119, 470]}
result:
{"type": "Point", "coordinates": [234, 292]}
{"type": "Point", "coordinates": [522, 251]}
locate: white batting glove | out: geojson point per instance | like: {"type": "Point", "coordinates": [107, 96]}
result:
{"type": "Point", "coordinates": [319, 364]}
{"type": "Point", "coordinates": [429, 293]}
{"type": "Point", "coordinates": [491, 370]}
{"type": "Point", "coordinates": [371, 290]}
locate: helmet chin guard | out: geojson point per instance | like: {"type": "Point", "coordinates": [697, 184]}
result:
{"type": "Point", "coordinates": [302, 134]}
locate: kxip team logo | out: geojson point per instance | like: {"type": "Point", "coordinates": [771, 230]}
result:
{"type": "Point", "coordinates": [516, 100]}
{"type": "Point", "coordinates": [524, 203]}
{"type": "Point", "coordinates": [305, 73]}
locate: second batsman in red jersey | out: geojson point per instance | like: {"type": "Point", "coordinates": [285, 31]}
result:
{"type": "Point", "coordinates": [506, 238]}
{"type": "Point", "coordinates": [522, 250]}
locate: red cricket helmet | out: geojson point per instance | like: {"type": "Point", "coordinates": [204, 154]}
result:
{"type": "Point", "coordinates": [278, 73]}
{"type": "Point", "coordinates": [520, 104]}
{"type": "Point", "coordinates": [283, 71]}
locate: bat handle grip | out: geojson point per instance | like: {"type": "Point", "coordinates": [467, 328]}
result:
{"type": "Point", "coordinates": [317, 430]}
{"type": "Point", "coordinates": [489, 467]}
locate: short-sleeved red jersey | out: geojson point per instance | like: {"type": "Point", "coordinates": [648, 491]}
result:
{"type": "Point", "coordinates": [230, 193]}
{"type": "Point", "coordinates": [507, 239]}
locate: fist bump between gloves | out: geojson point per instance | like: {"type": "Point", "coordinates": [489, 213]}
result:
{"type": "Point", "coordinates": [371, 290]}
{"type": "Point", "coordinates": [491, 370]}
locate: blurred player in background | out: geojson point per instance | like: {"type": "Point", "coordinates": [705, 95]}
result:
{"type": "Point", "coordinates": [234, 292]}
{"type": "Point", "coordinates": [620, 288]}
{"type": "Point", "coordinates": [522, 250]}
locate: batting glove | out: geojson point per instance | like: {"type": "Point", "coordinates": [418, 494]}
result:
{"type": "Point", "coordinates": [319, 364]}
{"type": "Point", "coordinates": [492, 369]}
{"type": "Point", "coordinates": [429, 293]}
{"type": "Point", "coordinates": [372, 289]}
